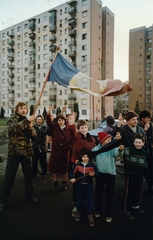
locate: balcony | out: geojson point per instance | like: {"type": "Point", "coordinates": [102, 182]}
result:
{"type": "Point", "coordinates": [11, 66]}
{"type": "Point", "coordinates": [52, 39]}
{"type": "Point", "coordinates": [32, 44]}
{"type": "Point", "coordinates": [72, 10]}
{"type": "Point", "coordinates": [32, 52]}
{"type": "Point", "coordinates": [11, 75]}
{"type": "Point", "coordinates": [32, 36]}
{"type": "Point", "coordinates": [10, 58]}
{"type": "Point", "coordinates": [72, 32]}
{"type": "Point", "coordinates": [32, 88]}
{"type": "Point", "coordinates": [11, 34]}
{"type": "Point", "coordinates": [10, 50]}
{"type": "Point", "coordinates": [52, 15]}
{"type": "Point", "coordinates": [32, 79]}
{"type": "Point", "coordinates": [72, 53]}
{"type": "Point", "coordinates": [52, 28]}
{"type": "Point", "coordinates": [32, 26]}
{"type": "Point", "coordinates": [11, 96]}
{"type": "Point", "coordinates": [11, 42]}
{"type": "Point", "coordinates": [11, 83]}
{"type": "Point", "coordinates": [71, 106]}
{"type": "Point", "coordinates": [32, 102]}
{"type": "Point", "coordinates": [72, 42]}
{"type": "Point", "coordinates": [31, 70]}
{"type": "Point", "coordinates": [52, 48]}
{"type": "Point", "coordinates": [53, 87]}
{"type": "Point", "coordinates": [51, 58]}
{"type": "Point", "coordinates": [32, 98]}
{"type": "Point", "coordinates": [72, 22]}
{"type": "Point", "coordinates": [32, 62]}
{"type": "Point", "coordinates": [72, 97]}
{"type": "Point", "coordinates": [52, 97]}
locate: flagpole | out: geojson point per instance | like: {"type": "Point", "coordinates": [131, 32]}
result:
{"type": "Point", "coordinates": [46, 80]}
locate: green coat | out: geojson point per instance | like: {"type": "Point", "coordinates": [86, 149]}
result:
{"type": "Point", "coordinates": [20, 136]}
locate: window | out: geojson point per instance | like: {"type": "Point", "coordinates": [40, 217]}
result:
{"type": "Point", "coordinates": [45, 47]}
{"type": "Point", "coordinates": [84, 80]}
{"type": "Point", "coordinates": [45, 37]}
{"type": "Point", "coordinates": [38, 66]}
{"type": "Point", "coordinates": [26, 26]}
{"type": "Point", "coordinates": [38, 20]}
{"type": "Point", "coordinates": [65, 20]}
{"type": "Point", "coordinates": [65, 41]}
{"type": "Point", "coordinates": [65, 9]}
{"type": "Point", "coordinates": [18, 29]}
{"type": "Point", "coordinates": [84, 14]}
{"type": "Point", "coordinates": [45, 93]}
{"type": "Point", "coordinates": [45, 18]}
{"type": "Point", "coordinates": [19, 37]}
{"type": "Point", "coordinates": [65, 91]}
{"type": "Point", "coordinates": [84, 58]}
{"type": "Point", "coordinates": [38, 30]}
{"type": "Point", "coordinates": [60, 23]}
{"type": "Point", "coordinates": [26, 69]}
{"type": "Point", "coordinates": [3, 34]}
{"type": "Point", "coordinates": [26, 95]}
{"type": "Point", "coordinates": [60, 42]}
{"type": "Point", "coordinates": [26, 43]}
{"type": "Point", "coordinates": [84, 2]}
{"type": "Point", "coordinates": [3, 50]}
{"type": "Point", "coordinates": [26, 35]}
{"type": "Point", "coordinates": [84, 25]}
{"type": "Point", "coordinates": [65, 30]}
{"type": "Point", "coordinates": [60, 32]}
{"type": "Point", "coordinates": [60, 11]}
{"type": "Point", "coordinates": [19, 45]}
{"type": "Point", "coordinates": [45, 56]}
{"type": "Point", "coordinates": [84, 36]}
{"type": "Point", "coordinates": [60, 93]}
{"type": "Point", "coordinates": [3, 43]}
{"type": "Point", "coordinates": [84, 69]}
{"type": "Point", "coordinates": [84, 47]}
{"type": "Point", "coordinates": [18, 54]}
{"type": "Point", "coordinates": [149, 49]}
{"type": "Point", "coordinates": [18, 62]}
{"type": "Point", "coordinates": [18, 95]}
{"type": "Point", "coordinates": [25, 52]}
{"type": "Point", "coordinates": [84, 112]}
{"type": "Point", "coordinates": [18, 70]}
{"type": "Point", "coordinates": [26, 77]}
{"type": "Point", "coordinates": [45, 103]}
{"type": "Point", "coordinates": [26, 60]}
{"type": "Point", "coordinates": [38, 48]}
{"type": "Point", "coordinates": [45, 28]}
{"type": "Point", "coordinates": [18, 87]}
{"type": "Point", "coordinates": [38, 57]}
{"type": "Point", "coordinates": [65, 51]}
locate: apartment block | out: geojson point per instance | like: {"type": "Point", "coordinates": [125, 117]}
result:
{"type": "Point", "coordinates": [141, 67]}
{"type": "Point", "coordinates": [84, 30]}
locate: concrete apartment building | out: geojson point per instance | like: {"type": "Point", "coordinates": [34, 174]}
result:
{"type": "Point", "coordinates": [141, 67]}
{"type": "Point", "coordinates": [84, 30]}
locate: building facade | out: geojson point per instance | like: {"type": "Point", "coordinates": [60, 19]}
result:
{"type": "Point", "coordinates": [84, 30]}
{"type": "Point", "coordinates": [141, 68]}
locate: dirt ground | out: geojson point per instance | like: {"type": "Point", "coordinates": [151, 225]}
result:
{"type": "Point", "coordinates": [50, 218]}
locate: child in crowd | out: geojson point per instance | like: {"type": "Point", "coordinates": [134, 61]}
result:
{"type": "Point", "coordinates": [105, 163]}
{"type": "Point", "coordinates": [136, 166]}
{"type": "Point", "coordinates": [84, 186]}
{"type": "Point", "coordinates": [82, 140]}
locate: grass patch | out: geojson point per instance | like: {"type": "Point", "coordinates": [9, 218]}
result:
{"type": "Point", "coordinates": [3, 121]}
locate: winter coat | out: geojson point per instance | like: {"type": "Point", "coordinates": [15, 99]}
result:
{"type": "Point", "coordinates": [61, 144]}
{"type": "Point", "coordinates": [39, 143]}
{"type": "Point", "coordinates": [81, 142]}
{"type": "Point", "coordinates": [20, 136]}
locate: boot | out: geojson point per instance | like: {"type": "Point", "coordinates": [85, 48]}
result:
{"type": "Point", "coordinates": [91, 220]}
{"type": "Point", "coordinates": [64, 188]}
{"type": "Point", "coordinates": [55, 186]}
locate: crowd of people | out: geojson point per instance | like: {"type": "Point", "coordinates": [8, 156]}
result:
{"type": "Point", "coordinates": [76, 156]}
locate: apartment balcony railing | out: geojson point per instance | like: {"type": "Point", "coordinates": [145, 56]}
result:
{"type": "Point", "coordinates": [32, 88]}
{"type": "Point", "coordinates": [72, 53]}
{"type": "Point", "coordinates": [72, 10]}
{"type": "Point", "coordinates": [32, 26]}
{"type": "Point", "coordinates": [71, 106]}
{"type": "Point", "coordinates": [11, 75]}
{"type": "Point", "coordinates": [32, 98]}
{"type": "Point", "coordinates": [31, 70]}
{"type": "Point", "coordinates": [72, 42]}
{"type": "Point", "coordinates": [11, 34]}
{"type": "Point", "coordinates": [51, 58]}
{"type": "Point", "coordinates": [72, 32]}
{"type": "Point", "coordinates": [32, 79]}
{"type": "Point", "coordinates": [52, 15]}
{"type": "Point", "coordinates": [32, 62]}
{"type": "Point", "coordinates": [32, 44]}
{"type": "Point", "coordinates": [32, 35]}
{"type": "Point", "coordinates": [11, 83]}
{"type": "Point", "coordinates": [10, 50]}
{"type": "Point", "coordinates": [52, 48]}
{"type": "Point", "coordinates": [52, 39]}
{"type": "Point", "coordinates": [52, 97]}
{"type": "Point", "coordinates": [11, 66]}
{"type": "Point", "coordinates": [10, 58]}
{"type": "Point", "coordinates": [52, 28]}
{"type": "Point", "coordinates": [72, 96]}
{"type": "Point", "coordinates": [72, 22]}
{"type": "Point", "coordinates": [53, 87]}
{"type": "Point", "coordinates": [11, 42]}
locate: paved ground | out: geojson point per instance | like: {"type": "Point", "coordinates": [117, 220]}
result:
{"type": "Point", "coordinates": [50, 218]}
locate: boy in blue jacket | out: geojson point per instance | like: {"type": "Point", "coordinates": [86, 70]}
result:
{"type": "Point", "coordinates": [106, 167]}
{"type": "Point", "coordinates": [84, 170]}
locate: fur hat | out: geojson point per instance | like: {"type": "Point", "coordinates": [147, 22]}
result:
{"type": "Point", "coordinates": [103, 136]}
{"type": "Point", "coordinates": [130, 115]}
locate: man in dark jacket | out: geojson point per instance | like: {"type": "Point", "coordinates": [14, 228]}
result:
{"type": "Point", "coordinates": [39, 147]}
{"type": "Point", "coordinates": [144, 122]}
{"type": "Point", "coordinates": [20, 132]}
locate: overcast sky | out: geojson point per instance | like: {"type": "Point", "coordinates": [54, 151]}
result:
{"type": "Point", "coordinates": [129, 14]}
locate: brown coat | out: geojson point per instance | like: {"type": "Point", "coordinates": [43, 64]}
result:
{"type": "Point", "coordinates": [61, 144]}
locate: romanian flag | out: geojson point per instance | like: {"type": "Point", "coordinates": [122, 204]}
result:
{"type": "Point", "coordinates": [65, 74]}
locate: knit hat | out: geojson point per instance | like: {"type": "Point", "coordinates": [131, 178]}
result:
{"type": "Point", "coordinates": [84, 151]}
{"type": "Point", "coordinates": [130, 115]}
{"type": "Point", "coordinates": [103, 136]}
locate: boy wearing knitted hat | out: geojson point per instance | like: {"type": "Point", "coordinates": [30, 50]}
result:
{"type": "Point", "coordinates": [105, 163]}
